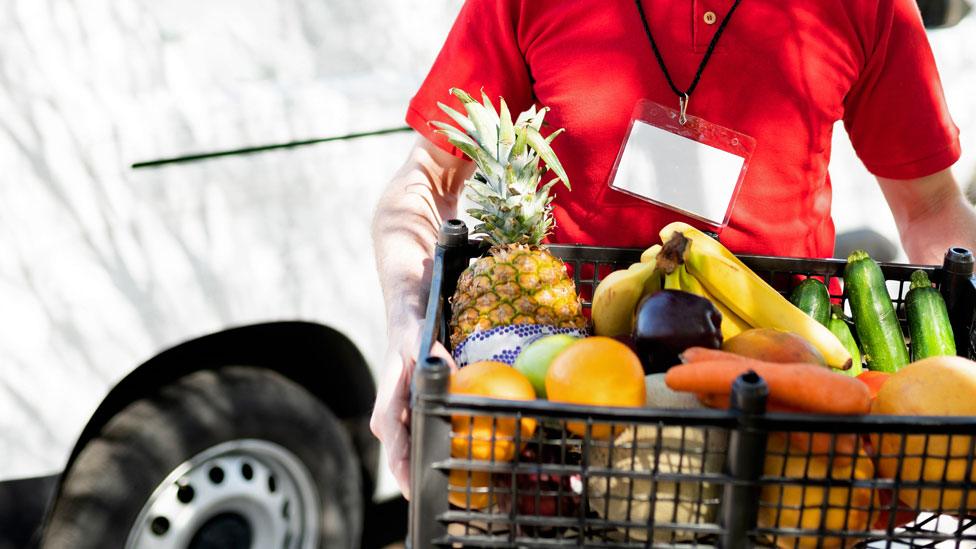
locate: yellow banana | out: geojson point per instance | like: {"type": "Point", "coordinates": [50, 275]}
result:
{"type": "Point", "coordinates": [748, 295]}
{"type": "Point", "coordinates": [653, 284]}
{"type": "Point", "coordinates": [655, 281]}
{"type": "Point", "coordinates": [650, 254]}
{"type": "Point", "coordinates": [688, 283]}
{"type": "Point", "coordinates": [732, 324]}
{"type": "Point", "coordinates": [704, 241]}
{"type": "Point", "coordinates": [616, 297]}
{"type": "Point", "coordinates": [672, 280]}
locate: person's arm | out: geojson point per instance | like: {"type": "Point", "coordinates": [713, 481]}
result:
{"type": "Point", "coordinates": [932, 215]}
{"type": "Point", "coordinates": [422, 194]}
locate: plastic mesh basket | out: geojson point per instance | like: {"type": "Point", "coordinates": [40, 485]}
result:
{"type": "Point", "coordinates": [542, 474]}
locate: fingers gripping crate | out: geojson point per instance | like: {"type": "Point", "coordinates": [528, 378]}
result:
{"type": "Point", "coordinates": [542, 474]}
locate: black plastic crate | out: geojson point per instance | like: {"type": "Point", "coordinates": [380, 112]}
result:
{"type": "Point", "coordinates": [674, 477]}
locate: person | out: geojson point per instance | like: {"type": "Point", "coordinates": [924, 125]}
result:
{"type": "Point", "coordinates": [781, 72]}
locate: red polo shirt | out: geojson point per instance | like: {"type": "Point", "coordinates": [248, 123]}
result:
{"type": "Point", "coordinates": [783, 72]}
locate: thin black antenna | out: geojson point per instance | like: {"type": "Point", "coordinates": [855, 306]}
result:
{"type": "Point", "coordinates": [263, 148]}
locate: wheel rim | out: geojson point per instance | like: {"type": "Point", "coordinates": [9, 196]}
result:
{"type": "Point", "coordinates": [240, 494]}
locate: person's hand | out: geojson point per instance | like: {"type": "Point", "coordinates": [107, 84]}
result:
{"type": "Point", "coordinates": [390, 421]}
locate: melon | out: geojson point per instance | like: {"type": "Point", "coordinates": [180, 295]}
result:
{"type": "Point", "coordinates": [681, 450]}
{"type": "Point", "coordinates": [935, 386]}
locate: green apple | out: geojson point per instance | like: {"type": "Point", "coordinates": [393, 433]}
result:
{"type": "Point", "coordinates": [534, 360]}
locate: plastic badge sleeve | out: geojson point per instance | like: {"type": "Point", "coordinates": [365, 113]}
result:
{"type": "Point", "coordinates": [695, 169]}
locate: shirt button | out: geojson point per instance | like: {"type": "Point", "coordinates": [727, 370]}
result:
{"type": "Point", "coordinates": [710, 18]}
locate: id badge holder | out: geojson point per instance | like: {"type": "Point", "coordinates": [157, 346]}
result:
{"type": "Point", "coordinates": [695, 168]}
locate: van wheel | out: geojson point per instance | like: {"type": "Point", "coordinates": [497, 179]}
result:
{"type": "Point", "coordinates": [238, 457]}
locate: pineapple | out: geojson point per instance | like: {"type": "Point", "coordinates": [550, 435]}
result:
{"type": "Point", "coordinates": [518, 281]}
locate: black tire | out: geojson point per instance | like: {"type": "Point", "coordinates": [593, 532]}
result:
{"type": "Point", "coordinates": [115, 473]}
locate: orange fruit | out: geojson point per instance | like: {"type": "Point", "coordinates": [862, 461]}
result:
{"type": "Point", "coordinates": [489, 437]}
{"type": "Point", "coordinates": [598, 371]}
{"type": "Point", "coordinates": [802, 504]}
{"type": "Point", "coordinates": [461, 481]}
{"type": "Point", "coordinates": [934, 386]}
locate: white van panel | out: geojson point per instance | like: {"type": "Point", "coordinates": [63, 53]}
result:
{"type": "Point", "coordinates": [102, 267]}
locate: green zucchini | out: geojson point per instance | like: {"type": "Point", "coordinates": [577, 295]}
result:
{"type": "Point", "coordinates": [838, 326]}
{"type": "Point", "coordinates": [928, 320]}
{"type": "Point", "coordinates": [874, 315]}
{"type": "Point", "coordinates": [812, 298]}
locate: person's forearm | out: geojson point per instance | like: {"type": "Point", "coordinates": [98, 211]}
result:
{"type": "Point", "coordinates": [926, 238]}
{"type": "Point", "coordinates": [405, 226]}
{"type": "Point", "coordinates": [932, 215]}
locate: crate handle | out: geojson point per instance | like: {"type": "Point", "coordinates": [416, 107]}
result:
{"type": "Point", "coordinates": [958, 289]}
{"type": "Point", "coordinates": [428, 486]}
{"type": "Point", "coordinates": [747, 454]}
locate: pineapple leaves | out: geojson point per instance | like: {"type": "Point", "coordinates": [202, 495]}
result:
{"type": "Point", "coordinates": [506, 132]}
{"type": "Point", "coordinates": [491, 168]}
{"type": "Point", "coordinates": [462, 95]}
{"type": "Point", "coordinates": [554, 134]}
{"type": "Point", "coordinates": [458, 118]}
{"type": "Point", "coordinates": [451, 132]}
{"type": "Point", "coordinates": [489, 107]}
{"type": "Point", "coordinates": [536, 121]}
{"type": "Point", "coordinates": [477, 191]}
{"type": "Point", "coordinates": [508, 197]}
{"type": "Point", "coordinates": [542, 148]}
{"type": "Point", "coordinates": [525, 116]}
{"type": "Point", "coordinates": [519, 148]}
{"type": "Point", "coordinates": [544, 191]}
{"type": "Point", "coordinates": [486, 128]}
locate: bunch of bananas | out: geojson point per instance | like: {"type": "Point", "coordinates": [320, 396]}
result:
{"type": "Point", "coordinates": [693, 262]}
{"type": "Point", "coordinates": [681, 279]}
{"type": "Point", "coordinates": [617, 295]}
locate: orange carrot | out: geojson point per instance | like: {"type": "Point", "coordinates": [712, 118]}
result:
{"type": "Point", "coordinates": [714, 400]}
{"type": "Point", "coordinates": [808, 387]}
{"type": "Point", "coordinates": [703, 354]}
{"type": "Point", "coordinates": [844, 444]}
{"type": "Point", "coordinates": [721, 401]}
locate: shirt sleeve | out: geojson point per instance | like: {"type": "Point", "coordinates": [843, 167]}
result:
{"type": "Point", "coordinates": [481, 53]}
{"type": "Point", "coordinates": [896, 114]}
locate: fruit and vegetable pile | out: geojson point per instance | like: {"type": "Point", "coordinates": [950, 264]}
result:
{"type": "Point", "coordinates": [674, 331]}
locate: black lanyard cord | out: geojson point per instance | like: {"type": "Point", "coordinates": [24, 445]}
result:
{"type": "Point", "coordinates": [683, 95]}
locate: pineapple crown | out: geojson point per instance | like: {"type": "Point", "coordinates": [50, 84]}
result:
{"type": "Point", "coordinates": [511, 206]}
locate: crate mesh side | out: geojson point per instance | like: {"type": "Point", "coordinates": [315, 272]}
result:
{"type": "Point", "coordinates": [578, 479]}
{"type": "Point", "coordinates": [659, 483]}
{"type": "Point", "coordinates": [610, 484]}
{"type": "Point", "coordinates": [823, 490]}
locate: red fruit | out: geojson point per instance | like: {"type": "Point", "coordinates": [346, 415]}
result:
{"type": "Point", "coordinates": [874, 381]}
{"type": "Point", "coordinates": [540, 493]}
{"type": "Point", "coordinates": [882, 515]}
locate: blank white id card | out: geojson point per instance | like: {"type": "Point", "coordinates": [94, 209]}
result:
{"type": "Point", "coordinates": [694, 169]}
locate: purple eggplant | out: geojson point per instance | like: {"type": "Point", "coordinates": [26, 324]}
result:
{"type": "Point", "coordinates": [670, 321]}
